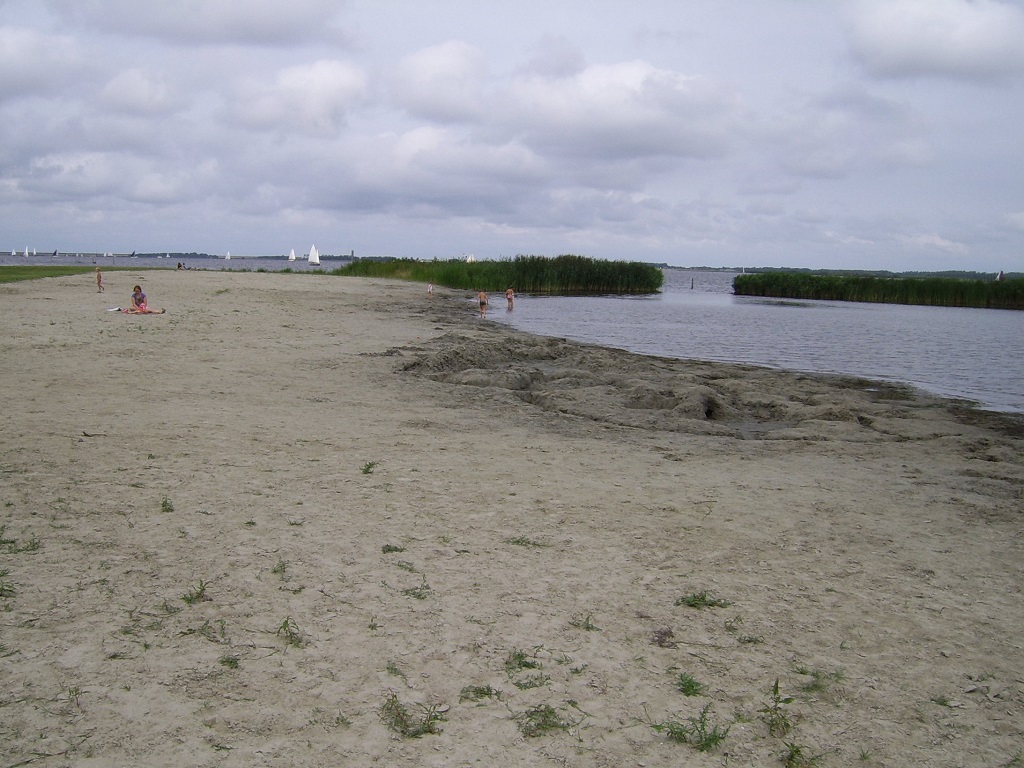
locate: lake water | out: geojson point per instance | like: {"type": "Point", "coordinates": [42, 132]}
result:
{"type": "Point", "coordinates": [975, 354]}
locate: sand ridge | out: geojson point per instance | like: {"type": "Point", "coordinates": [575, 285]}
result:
{"type": "Point", "coordinates": [368, 496]}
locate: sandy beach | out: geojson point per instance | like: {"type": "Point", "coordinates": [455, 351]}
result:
{"type": "Point", "coordinates": [297, 515]}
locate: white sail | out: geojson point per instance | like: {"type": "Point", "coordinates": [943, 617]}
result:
{"type": "Point", "coordinates": [228, 256]}
{"type": "Point", "coordinates": [291, 256]}
{"type": "Point", "coordinates": [314, 256]}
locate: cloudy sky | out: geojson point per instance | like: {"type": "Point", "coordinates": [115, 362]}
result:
{"type": "Point", "coordinates": [874, 134]}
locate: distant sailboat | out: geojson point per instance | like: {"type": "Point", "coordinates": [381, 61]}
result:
{"type": "Point", "coordinates": [291, 256]}
{"type": "Point", "coordinates": [314, 256]}
{"type": "Point", "coordinates": [228, 257]}
{"type": "Point", "coordinates": [26, 251]}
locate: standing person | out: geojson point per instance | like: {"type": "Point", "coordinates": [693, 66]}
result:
{"type": "Point", "coordinates": [430, 290]}
{"type": "Point", "coordinates": [99, 280]}
{"type": "Point", "coordinates": [482, 298]}
{"type": "Point", "coordinates": [510, 297]}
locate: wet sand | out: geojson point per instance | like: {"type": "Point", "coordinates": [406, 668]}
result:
{"type": "Point", "coordinates": [232, 534]}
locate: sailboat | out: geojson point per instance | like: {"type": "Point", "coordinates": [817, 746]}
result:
{"type": "Point", "coordinates": [26, 251]}
{"type": "Point", "coordinates": [291, 256]}
{"type": "Point", "coordinates": [228, 256]}
{"type": "Point", "coordinates": [314, 256]}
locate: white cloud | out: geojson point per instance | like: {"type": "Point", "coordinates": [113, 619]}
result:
{"type": "Point", "coordinates": [137, 92]}
{"type": "Point", "coordinates": [33, 62]}
{"type": "Point", "coordinates": [443, 82]}
{"type": "Point", "coordinates": [936, 242]}
{"type": "Point", "coordinates": [208, 21]}
{"type": "Point", "coordinates": [309, 99]}
{"type": "Point", "coordinates": [627, 110]}
{"type": "Point", "coordinates": [948, 38]}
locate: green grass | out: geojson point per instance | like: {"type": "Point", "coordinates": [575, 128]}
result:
{"type": "Point", "coordinates": [26, 272]}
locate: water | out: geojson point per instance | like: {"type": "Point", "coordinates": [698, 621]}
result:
{"type": "Point", "coordinates": [974, 354]}
{"type": "Point", "coordinates": [267, 263]}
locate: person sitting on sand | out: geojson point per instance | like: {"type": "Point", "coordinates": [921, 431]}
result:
{"type": "Point", "coordinates": [139, 305]}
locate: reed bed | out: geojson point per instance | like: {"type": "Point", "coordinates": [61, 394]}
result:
{"type": "Point", "coordinates": [563, 275]}
{"type": "Point", "coordinates": [929, 291]}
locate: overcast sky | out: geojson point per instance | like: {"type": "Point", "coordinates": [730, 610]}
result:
{"type": "Point", "coordinates": [883, 134]}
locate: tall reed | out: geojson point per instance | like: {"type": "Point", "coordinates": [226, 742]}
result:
{"type": "Point", "coordinates": [930, 291]}
{"type": "Point", "coordinates": [565, 275]}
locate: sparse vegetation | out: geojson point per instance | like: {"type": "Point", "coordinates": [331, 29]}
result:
{"type": "Point", "coordinates": [389, 548]}
{"type": "Point", "coordinates": [420, 593]}
{"type": "Point", "coordinates": [523, 541]}
{"type": "Point", "coordinates": [697, 731]}
{"type": "Point", "coordinates": [166, 505]}
{"type": "Point", "coordinates": [584, 622]}
{"type": "Point", "coordinates": [797, 756]}
{"type": "Point", "coordinates": [368, 467]}
{"type": "Point", "coordinates": [478, 692]}
{"type": "Point", "coordinates": [702, 600]}
{"type": "Point", "coordinates": [396, 716]}
{"type": "Point", "coordinates": [775, 714]}
{"type": "Point", "coordinates": [289, 630]}
{"type": "Point", "coordinates": [196, 594]}
{"type": "Point", "coordinates": [688, 685]}
{"type": "Point", "coordinates": [540, 720]}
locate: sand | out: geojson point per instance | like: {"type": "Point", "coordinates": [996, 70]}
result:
{"type": "Point", "coordinates": [369, 497]}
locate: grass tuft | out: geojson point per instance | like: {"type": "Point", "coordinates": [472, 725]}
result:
{"type": "Point", "coordinates": [697, 731]}
{"type": "Point", "coordinates": [688, 685]}
{"type": "Point", "coordinates": [702, 600]}
{"type": "Point", "coordinates": [540, 720]}
{"type": "Point", "coordinates": [396, 716]}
